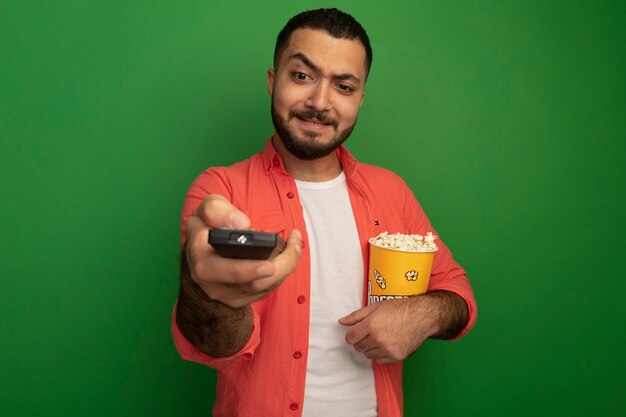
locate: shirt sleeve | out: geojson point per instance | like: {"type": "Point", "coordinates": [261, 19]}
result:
{"type": "Point", "coordinates": [211, 181]}
{"type": "Point", "coordinates": [446, 273]}
{"type": "Point", "coordinates": [190, 352]}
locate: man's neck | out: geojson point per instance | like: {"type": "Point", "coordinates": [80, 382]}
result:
{"type": "Point", "coordinates": [317, 170]}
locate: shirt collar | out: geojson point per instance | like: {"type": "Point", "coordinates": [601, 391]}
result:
{"type": "Point", "coordinates": [272, 160]}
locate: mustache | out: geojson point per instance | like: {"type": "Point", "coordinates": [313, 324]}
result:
{"type": "Point", "coordinates": [314, 116]}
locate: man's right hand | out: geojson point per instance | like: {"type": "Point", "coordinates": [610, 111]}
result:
{"type": "Point", "coordinates": [234, 282]}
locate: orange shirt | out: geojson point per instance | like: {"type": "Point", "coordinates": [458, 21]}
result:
{"type": "Point", "coordinates": [267, 377]}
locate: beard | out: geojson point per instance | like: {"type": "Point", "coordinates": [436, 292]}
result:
{"type": "Point", "coordinates": [307, 148]}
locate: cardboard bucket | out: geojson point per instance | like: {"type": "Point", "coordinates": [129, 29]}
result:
{"type": "Point", "coordinates": [394, 273]}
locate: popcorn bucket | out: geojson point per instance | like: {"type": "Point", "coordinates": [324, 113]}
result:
{"type": "Point", "coordinates": [395, 273]}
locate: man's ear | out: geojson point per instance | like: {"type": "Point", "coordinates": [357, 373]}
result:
{"type": "Point", "coordinates": [271, 75]}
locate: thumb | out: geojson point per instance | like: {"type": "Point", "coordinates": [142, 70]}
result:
{"type": "Point", "coordinates": [357, 316]}
{"type": "Point", "coordinates": [286, 262]}
{"type": "Point", "coordinates": [215, 211]}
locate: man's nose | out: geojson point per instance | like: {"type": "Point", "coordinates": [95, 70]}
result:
{"type": "Point", "coordinates": [320, 97]}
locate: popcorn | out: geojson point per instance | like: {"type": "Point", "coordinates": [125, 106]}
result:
{"type": "Point", "coordinates": [380, 280]}
{"type": "Point", "coordinates": [407, 243]}
{"type": "Point", "coordinates": [411, 275]}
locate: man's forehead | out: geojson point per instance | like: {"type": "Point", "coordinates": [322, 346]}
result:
{"type": "Point", "coordinates": [322, 48]}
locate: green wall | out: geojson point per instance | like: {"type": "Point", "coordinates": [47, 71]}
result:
{"type": "Point", "coordinates": [505, 117]}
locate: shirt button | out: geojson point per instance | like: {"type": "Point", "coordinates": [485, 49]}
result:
{"type": "Point", "coordinates": [297, 354]}
{"type": "Point", "coordinates": [276, 162]}
{"type": "Point", "coordinates": [301, 299]}
{"type": "Point", "coordinates": [290, 194]}
{"type": "Point", "coordinates": [293, 406]}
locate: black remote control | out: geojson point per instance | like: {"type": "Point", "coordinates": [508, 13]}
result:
{"type": "Point", "coordinates": [245, 244]}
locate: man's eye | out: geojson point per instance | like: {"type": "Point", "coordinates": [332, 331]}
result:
{"type": "Point", "coordinates": [344, 88]}
{"type": "Point", "coordinates": [300, 76]}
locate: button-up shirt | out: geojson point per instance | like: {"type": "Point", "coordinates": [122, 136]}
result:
{"type": "Point", "coordinates": [267, 376]}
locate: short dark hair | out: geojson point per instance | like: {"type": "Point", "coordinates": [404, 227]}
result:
{"type": "Point", "coordinates": [336, 23]}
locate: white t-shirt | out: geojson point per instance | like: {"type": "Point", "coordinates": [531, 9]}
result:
{"type": "Point", "coordinates": [339, 380]}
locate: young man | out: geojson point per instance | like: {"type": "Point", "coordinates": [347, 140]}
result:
{"type": "Point", "coordinates": [291, 335]}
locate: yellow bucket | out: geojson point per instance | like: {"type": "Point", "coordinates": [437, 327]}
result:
{"type": "Point", "coordinates": [394, 273]}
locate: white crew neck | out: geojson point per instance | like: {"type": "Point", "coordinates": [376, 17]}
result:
{"type": "Point", "coordinates": [322, 185]}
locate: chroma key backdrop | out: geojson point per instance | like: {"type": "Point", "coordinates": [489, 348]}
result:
{"type": "Point", "coordinates": [506, 118]}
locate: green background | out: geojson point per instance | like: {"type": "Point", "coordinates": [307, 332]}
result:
{"type": "Point", "coordinates": [507, 119]}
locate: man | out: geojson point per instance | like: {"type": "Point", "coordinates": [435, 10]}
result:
{"type": "Point", "coordinates": [290, 335]}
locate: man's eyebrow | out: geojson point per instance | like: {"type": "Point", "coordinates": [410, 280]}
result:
{"type": "Point", "coordinates": [306, 61]}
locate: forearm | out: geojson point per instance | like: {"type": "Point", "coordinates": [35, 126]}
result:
{"type": "Point", "coordinates": [213, 327]}
{"type": "Point", "coordinates": [449, 311]}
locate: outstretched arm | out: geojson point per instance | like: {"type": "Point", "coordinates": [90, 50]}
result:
{"type": "Point", "coordinates": [213, 310]}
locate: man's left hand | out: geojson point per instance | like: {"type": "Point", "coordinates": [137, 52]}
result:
{"type": "Point", "coordinates": [391, 330]}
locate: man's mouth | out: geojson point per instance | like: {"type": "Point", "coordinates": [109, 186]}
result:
{"type": "Point", "coordinates": [313, 119]}
{"type": "Point", "coordinates": [313, 122]}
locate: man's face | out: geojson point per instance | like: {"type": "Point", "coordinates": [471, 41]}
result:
{"type": "Point", "coordinates": [317, 91]}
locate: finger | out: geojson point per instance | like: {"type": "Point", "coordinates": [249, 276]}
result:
{"type": "Point", "coordinates": [273, 273]}
{"type": "Point", "coordinates": [374, 354]}
{"type": "Point", "coordinates": [357, 316]}
{"type": "Point", "coordinates": [215, 211]}
{"type": "Point", "coordinates": [384, 360]}
{"type": "Point", "coordinates": [367, 343]}
{"type": "Point", "coordinates": [357, 334]}
{"type": "Point", "coordinates": [268, 273]}
{"type": "Point", "coordinates": [197, 233]}
{"type": "Point", "coordinates": [379, 356]}
{"type": "Point", "coordinates": [243, 293]}
{"type": "Point", "coordinates": [285, 263]}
